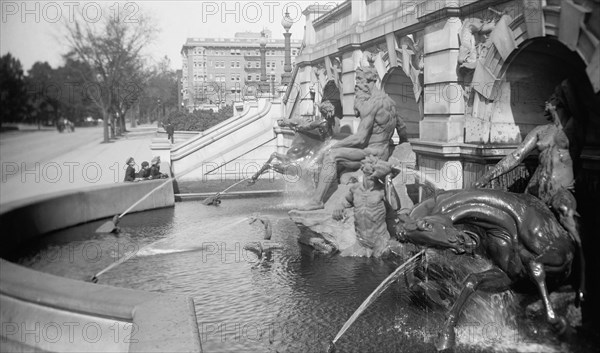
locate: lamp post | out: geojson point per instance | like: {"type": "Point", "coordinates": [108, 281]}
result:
{"type": "Point", "coordinates": [263, 61]}
{"type": "Point", "coordinates": [287, 23]}
{"type": "Point", "coordinates": [312, 93]}
{"type": "Point", "coordinates": [272, 79]}
{"type": "Point", "coordinates": [158, 108]}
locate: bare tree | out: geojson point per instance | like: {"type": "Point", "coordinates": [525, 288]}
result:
{"type": "Point", "coordinates": [214, 92]}
{"type": "Point", "coordinates": [112, 48]}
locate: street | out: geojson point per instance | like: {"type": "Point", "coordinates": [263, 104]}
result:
{"type": "Point", "coordinates": [41, 146]}
{"type": "Point", "coordinates": [38, 162]}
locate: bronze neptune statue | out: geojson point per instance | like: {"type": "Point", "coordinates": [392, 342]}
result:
{"type": "Point", "coordinates": [378, 121]}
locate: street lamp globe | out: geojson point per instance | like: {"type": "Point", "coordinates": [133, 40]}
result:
{"type": "Point", "coordinates": [287, 22]}
{"type": "Point", "coordinates": [263, 39]}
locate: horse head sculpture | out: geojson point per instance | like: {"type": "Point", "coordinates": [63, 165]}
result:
{"type": "Point", "coordinates": [437, 231]}
{"type": "Point", "coordinates": [517, 232]}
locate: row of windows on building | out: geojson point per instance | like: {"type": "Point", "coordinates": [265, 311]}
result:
{"type": "Point", "coordinates": [235, 64]}
{"type": "Point", "coordinates": [256, 52]}
{"type": "Point", "coordinates": [222, 78]}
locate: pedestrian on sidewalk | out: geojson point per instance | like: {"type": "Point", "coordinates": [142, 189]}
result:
{"type": "Point", "coordinates": [170, 129]}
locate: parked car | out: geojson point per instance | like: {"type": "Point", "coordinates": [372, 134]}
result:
{"type": "Point", "coordinates": [89, 121]}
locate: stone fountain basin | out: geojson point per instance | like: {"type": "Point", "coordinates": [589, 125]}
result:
{"type": "Point", "coordinates": [44, 312]}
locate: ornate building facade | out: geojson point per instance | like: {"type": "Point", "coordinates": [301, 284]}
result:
{"type": "Point", "coordinates": [470, 78]}
{"type": "Point", "coordinates": [225, 70]}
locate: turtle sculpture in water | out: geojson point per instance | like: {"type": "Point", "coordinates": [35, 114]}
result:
{"type": "Point", "coordinates": [214, 200]}
{"type": "Point", "coordinates": [517, 232]}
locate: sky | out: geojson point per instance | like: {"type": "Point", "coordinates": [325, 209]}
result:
{"type": "Point", "coordinates": [34, 30]}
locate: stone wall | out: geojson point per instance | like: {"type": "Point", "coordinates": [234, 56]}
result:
{"type": "Point", "coordinates": [232, 150]}
{"type": "Point", "coordinates": [30, 218]}
{"type": "Point", "coordinates": [43, 312]}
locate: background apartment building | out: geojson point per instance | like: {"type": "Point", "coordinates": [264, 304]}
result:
{"type": "Point", "coordinates": [223, 70]}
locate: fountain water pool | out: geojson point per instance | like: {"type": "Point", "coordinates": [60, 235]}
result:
{"type": "Point", "coordinates": [294, 301]}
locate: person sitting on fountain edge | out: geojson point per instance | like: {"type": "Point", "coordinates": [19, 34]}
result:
{"type": "Point", "coordinates": [130, 172]}
{"type": "Point", "coordinates": [155, 169]}
{"type": "Point", "coordinates": [378, 121]}
{"type": "Point", "coordinates": [144, 172]}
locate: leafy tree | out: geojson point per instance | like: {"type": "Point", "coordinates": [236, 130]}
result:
{"type": "Point", "coordinates": [44, 93]}
{"type": "Point", "coordinates": [60, 92]}
{"type": "Point", "coordinates": [113, 52]}
{"type": "Point", "coordinates": [13, 91]}
{"type": "Point", "coordinates": [75, 102]}
{"type": "Point", "coordinates": [160, 91]}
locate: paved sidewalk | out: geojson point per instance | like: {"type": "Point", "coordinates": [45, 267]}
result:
{"type": "Point", "coordinates": [39, 162]}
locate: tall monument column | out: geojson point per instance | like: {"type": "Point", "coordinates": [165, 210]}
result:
{"type": "Point", "coordinates": [264, 85]}
{"type": "Point", "coordinates": [286, 22]}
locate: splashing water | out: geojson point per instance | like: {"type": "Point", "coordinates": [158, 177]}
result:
{"type": "Point", "coordinates": [149, 250]}
{"type": "Point", "coordinates": [299, 188]}
{"type": "Point", "coordinates": [376, 293]}
{"type": "Point", "coordinates": [317, 159]}
{"type": "Point", "coordinates": [488, 321]}
{"type": "Point", "coordinates": [215, 199]}
{"type": "Point", "coordinates": [231, 186]}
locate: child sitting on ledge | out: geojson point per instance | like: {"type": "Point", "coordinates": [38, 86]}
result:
{"type": "Point", "coordinates": [144, 173]}
{"type": "Point", "coordinates": [155, 169]}
{"type": "Point", "coordinates": [130, 172]}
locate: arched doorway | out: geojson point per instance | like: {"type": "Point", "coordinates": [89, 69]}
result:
{"type": "Point", "coordinates": [400, 88]}
{"type": "Point", "coordinates": [532, 73]}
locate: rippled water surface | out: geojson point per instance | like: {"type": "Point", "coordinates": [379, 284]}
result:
{"type": "Point", "coordinates": [294, 301]}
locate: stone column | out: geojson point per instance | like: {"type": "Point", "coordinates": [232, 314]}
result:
{"type": "Point", "coordinates": [305, 78]}
{"type": "Point", "coordinates": [359, 11]}
{"type": "Point", "coordinates": [442, 127]}
{"type": "Point", "coordinates": [264, 86]}
{"type": "Point", "coordinates": [309, 30]}
{"type": "Point", "coordinates": [287, 66]}
{"type": "Point", "coordinates": [443, 119]}
{"type": "Point", "coordinates": [350, 60]}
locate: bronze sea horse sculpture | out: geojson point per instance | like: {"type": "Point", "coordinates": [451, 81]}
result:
{"type": "Point", "coordinates": [517, 232]}
{"type": "Point", "coordinates": [308, 139]}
